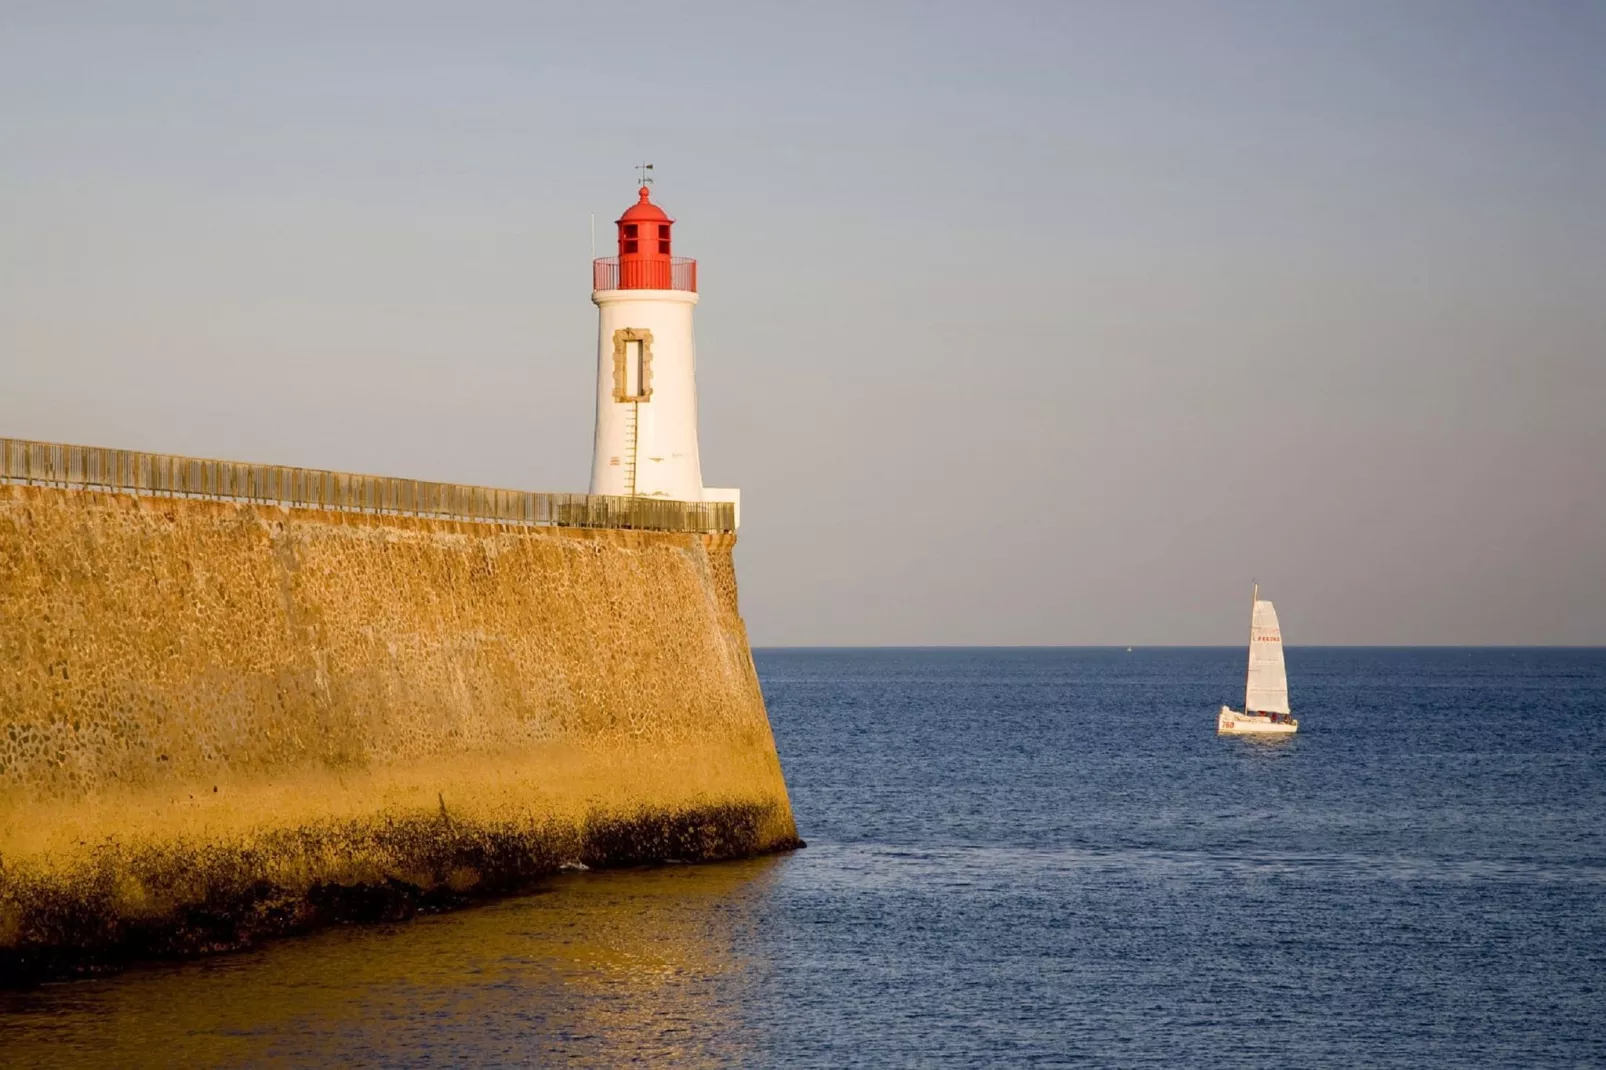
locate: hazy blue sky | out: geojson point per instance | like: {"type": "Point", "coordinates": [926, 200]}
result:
{"type": "Point", "coordinates": [1021, 323]}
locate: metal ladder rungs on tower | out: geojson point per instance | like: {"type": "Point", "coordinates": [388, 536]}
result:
{"type": "Point", "coordinates": [631, 417]}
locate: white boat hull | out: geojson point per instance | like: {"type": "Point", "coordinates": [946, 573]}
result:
{"type": "Point", "coordinates": [1232, 723]}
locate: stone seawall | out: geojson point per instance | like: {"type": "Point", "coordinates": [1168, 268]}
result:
{"type": "Point", "coordinates": [222, 720]}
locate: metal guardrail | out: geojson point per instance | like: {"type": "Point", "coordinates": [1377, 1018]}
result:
{"type": "Point", "coordinates": [164, 475]}
{"type": "Point", "coordinates": [644, 273]}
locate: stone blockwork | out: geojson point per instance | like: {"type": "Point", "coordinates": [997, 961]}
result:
{"type": "Point", "coordinates": [219, 720]}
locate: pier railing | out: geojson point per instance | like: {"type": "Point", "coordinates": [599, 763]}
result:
{"type": "Point", "coordinates": [164, 475]}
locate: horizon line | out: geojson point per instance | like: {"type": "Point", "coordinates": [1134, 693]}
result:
{"type": "Point", "coordinates": [1176, 646]}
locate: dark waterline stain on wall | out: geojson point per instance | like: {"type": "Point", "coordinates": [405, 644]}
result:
{"type": "Point", "coordinates": [230, 721]}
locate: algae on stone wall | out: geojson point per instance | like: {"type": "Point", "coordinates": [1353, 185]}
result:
{"type": "Point", "coordinates": [219, 719]}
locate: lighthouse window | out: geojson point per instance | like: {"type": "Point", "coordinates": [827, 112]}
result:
{"type": "Point", "coordinates": [633, 368]}
{"type": "Point", "coordinates": [632, 364]}
{"type": "Point", "coordinates": [663, 231]}
{"type": "Point", "coordinates": [663, 247]}
{"type": "Point", "coordinates": [630, 230]}
{"type": "Point", "coordinates": [630, 246]}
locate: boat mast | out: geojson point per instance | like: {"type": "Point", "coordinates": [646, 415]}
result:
{"type": "Point", "coordinates": [1249, 667]}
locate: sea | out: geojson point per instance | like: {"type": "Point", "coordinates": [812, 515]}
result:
{"type": "Point", "coordinates": [1016, 857]}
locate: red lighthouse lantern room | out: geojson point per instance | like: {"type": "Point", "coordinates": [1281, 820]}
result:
{"type": "Point", "coordinates": [645, 259]}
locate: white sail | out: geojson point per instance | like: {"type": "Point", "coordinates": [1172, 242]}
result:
{"type": "Point", "coordinates": [1268, 680]}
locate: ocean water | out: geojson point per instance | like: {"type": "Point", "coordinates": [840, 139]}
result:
{"type": "Point", "coordinates": [1016, 857]}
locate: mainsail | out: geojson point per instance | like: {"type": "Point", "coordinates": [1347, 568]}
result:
{"type": "Point", "coordinates": [1268, 681]}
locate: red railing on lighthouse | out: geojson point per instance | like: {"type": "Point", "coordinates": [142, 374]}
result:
{"type": "Point", "coordinates": [672, 273]}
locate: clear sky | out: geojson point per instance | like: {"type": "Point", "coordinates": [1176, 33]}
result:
{"type": "Point", "coordinates": [1021, 323]}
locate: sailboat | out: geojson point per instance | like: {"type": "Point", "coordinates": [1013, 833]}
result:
{"type": "Point", "coordinates": [1266, 691]}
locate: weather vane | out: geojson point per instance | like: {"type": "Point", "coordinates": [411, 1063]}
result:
{"type": "Point", "coordinates": [644, 179]}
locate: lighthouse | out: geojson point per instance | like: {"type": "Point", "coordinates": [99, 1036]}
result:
{"type": "Point", "coordinates": [646, 434]}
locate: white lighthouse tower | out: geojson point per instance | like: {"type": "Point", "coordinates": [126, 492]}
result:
{"type": "Point", "coordinates": [646, 437]}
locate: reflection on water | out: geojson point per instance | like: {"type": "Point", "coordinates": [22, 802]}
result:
{"type": "Point", "coordinates": [595, 969]}
{"type": "Point", "coordinates": [996, 878]}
